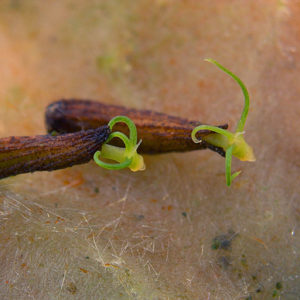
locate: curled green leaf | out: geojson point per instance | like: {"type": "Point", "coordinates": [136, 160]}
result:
{"type": "Point", "coordinates": [126, 157]}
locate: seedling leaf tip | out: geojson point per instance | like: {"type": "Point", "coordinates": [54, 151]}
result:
{"type": "Point", "coordinates": [232, 143]}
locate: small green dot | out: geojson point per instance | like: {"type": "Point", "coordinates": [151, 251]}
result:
{"type": "Point", "coordinates": [215, 245]}
{"type": "Point", "coordinates": [278, 285]}
{"type": "Point", "coordinates": [54, 133]}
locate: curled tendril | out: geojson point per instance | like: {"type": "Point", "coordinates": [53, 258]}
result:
{"type": "Point", "coordinates": [232, 143]}
{"type": "Point", "coordinates": [126, 157]}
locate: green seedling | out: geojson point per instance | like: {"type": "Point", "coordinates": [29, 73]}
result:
{"type": "Point", "coordinates": [126, 157]}
{"type": "Point", "coordinates": [232, 143]}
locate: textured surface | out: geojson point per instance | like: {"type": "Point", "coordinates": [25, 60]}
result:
{"type": "Point", "coordinates": [160, 133]}
{"type": "Point", "coordinates": [26, 154]}
{"type": "Point", "coordinates": [174, 231]}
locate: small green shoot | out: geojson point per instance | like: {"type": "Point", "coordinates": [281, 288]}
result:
{"type": "Point", "coordinates": [232, 143]}
{"type": "Point", "coordinates": [126, 157]}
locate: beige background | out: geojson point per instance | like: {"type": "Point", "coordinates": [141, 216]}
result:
{"type": "Point", "coordinates": [88, 233]}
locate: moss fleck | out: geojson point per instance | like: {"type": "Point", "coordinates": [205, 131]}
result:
{"type": "Point", "coordinates": [274, 294]}
{"type": "Point", "coordinates": [278, 285]}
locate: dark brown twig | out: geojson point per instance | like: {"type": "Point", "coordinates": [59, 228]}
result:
{"type": "Point", "coordinates": [46, 153]}
{"type": "Point", "coordinates": [159, 132]}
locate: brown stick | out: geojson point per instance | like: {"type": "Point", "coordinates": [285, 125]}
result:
{"type": "Point", "coordinates": [159, 132]}
{"type": "Point", "coordinates": [46, 153]}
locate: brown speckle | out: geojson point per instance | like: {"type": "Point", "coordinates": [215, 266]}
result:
{"type": "Point", "coordinates": [71, 287]}
{"type": "Point", "coordinates": [83, 270]}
